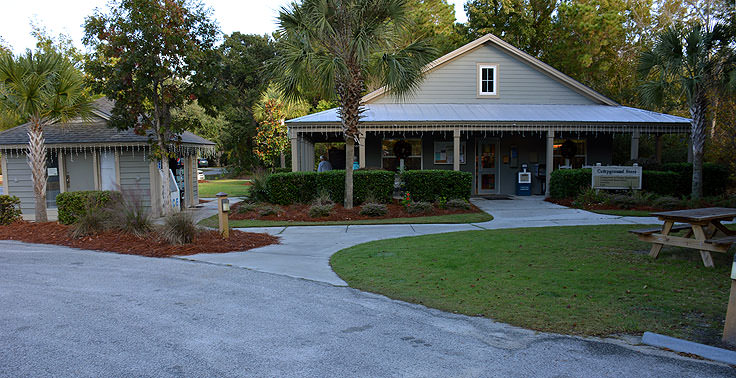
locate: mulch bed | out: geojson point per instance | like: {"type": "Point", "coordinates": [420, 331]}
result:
{"type": "Point", "coordinates": [569, 203]}
{"type": "Point", "coordinates": [207, 241]}
{"type": "Point", "coordinates": [300, 212]}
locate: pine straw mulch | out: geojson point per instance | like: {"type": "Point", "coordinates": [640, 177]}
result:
{"type": "Point", "coordinates": [150, 245]}
{"type": "Point", "coordinates": [300, 212]}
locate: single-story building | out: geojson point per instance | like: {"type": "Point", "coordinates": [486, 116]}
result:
{"type": "Point", "coordinates": [90, 155]}
{"type": "Point", "coordinates": [486, 108]}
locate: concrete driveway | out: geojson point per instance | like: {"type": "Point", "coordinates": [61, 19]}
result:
{"type": "Point", "coordinates": [68, 312]}
{"type": "Point", "coordinates": [305, 251]}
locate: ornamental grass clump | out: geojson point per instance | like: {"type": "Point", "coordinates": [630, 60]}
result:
{"type": "Point", "coordinates": [92, 221]}
{"type": "Point", "coordinates": [130, 216]}
{"type": "Point", "coordinates": [419, 207]}
{"type": "Point", "coordinates": [458, 204]}
{"type": "Point", "coordinates": [179, 228]}
{"type": "Point", "coordinates": [246, 207]}
{"type": "Point", "coordinates": [320, 211]}
{"type": "Point", "coordinates": [266, 210]}
{"type": "Point", "coordinates": [374, 209]}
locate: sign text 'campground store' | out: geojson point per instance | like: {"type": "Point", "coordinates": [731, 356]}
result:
{"type": "Point", "coordinates": [617, 177]}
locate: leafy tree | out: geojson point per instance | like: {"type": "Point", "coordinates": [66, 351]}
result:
{"type": "Point", "coordinates": [692, 61]}
{"type": "Point", "coordinates": [526, 24]}
{"type": "Point", "coordinates": [62, 44]}
{"type": "Point", "coordinates": [147, 55]}
{"type": "Point", "coordinates": [434, 22]}
{"type": "Point", "coordinates": [236, 80]}
{"type": "Point", "coordinates": [42, 89]}
{"type": "Point", "coordinates": [338, 47]}
{"type": "Point", "coordinates": [271, 139]}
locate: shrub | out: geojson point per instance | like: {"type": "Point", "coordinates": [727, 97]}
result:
{"type": "Point", "coordinates": [441, 202]}
{"type": "Point", "coordinates": [281, 170]}
{"type": "Point", "coordinates": [568, 183]}
{"type": "Point", "coordinates": [246, 207]}
{"type": "Point", "coordinates": [179, 228]}
{"type": "Point", "coordinates": [304, 187]}
{"type": "Point", "coordinates": [130, 216]}
{"type": "Point", "coordinates": [258, 186]}
{"type": "Point", "coordinates": [715, 178]}
{"type": "Point", "coordinates": [428, 185]}
{"type": "Point", "coordinates": [631, 200]}
{"type": "Point", "coordinates": [590, 197]}
{"type": "Point", "coordinates": [661, 182]}
{"type": "Point", "coordinates": [372, 209]}
{"type": "Point", "coordinates": [265, 210]}
{"type": "Point", "coordinates": [323, 199]}
{"type": "Point", "coordinates": [320, 211]}
{"type": "Point", "coordinates": [667, 202]}
{"type": "Point", "coordinates": [458, 203]}
{"type": "Point", "coordinates": [9, 209]}
{"type": "Point", "coordinates": [419, 207]}
{"type": "Point", "coordinates": [92, 221]}
{"type": "Point", "coordinates": [71, 205]}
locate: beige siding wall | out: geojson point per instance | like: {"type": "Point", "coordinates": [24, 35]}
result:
{"type": "Point", "coordinates": [135, 176]}
{"type": "Point", "coordinates": [20, 183]}
{"type": "Point", "coordinates": [518, 83]}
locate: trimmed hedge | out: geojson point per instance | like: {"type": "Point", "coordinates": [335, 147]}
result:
{"type": "Point", "coordinates": [673, 179]}
{"type": "Point", "coordinates": [9, 209]}
{"type": "Point", "coordinates": [73, 204]}
{"type": "Point", "coordinates": [304, 187]}
{"type": "Point", "coordinates": [429, 185]}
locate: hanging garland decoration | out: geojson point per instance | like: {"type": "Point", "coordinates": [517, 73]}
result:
{"type": "Point", "coordinates": [402, 149]}
{"type": "Point", "coordinates": [568, 149]}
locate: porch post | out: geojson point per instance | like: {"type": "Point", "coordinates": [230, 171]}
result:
{"type": "Point", "coordinates": [361, 149]}
{"type": "Point", "coordinates": [635, 145]}
{"type": "Point", "coordinates": [456, 150]}
{"type": "Point", "coordinates": [294, 151]}
{"type": "Point", "coordinates": [658, 148]}
{"type": "Point", "coordinates": [549, 162]}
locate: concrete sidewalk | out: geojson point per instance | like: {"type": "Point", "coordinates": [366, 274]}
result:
{"type": "Point", "coordinates": [305, 251]}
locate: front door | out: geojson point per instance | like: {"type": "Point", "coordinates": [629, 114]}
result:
{"type": "Point", "coordinates": [486, 170]}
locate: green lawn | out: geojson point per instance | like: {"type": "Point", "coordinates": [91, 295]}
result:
{"type": "Point", "coordinates": [593, 280]}
{"type": "Point", "coordinates": [233, 188]}
{"type": "Point", "coordinates": [452, 218]}
{"type": "Point", "coordinates": [624, 213]}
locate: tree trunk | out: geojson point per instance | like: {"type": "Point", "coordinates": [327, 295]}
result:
{"type": "Point", "coordinates": [698, 110]}
{"type": "Point", "coordinates": [283, 160]}
{"type": "Point", "coordinates": [166, 176]}
{"type": "Point", "coordinates": [37, 162]}
{"type": "Point", "coordinates": [349, 158]}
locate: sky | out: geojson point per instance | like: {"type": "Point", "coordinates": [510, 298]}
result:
{"type": "Point", "coordinates": [67, 17]}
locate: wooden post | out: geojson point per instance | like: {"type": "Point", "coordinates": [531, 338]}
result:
{"type": "Point", "coordinates": [361, 150]}
{"type": "Point", "coordinates": [729, 330]}
{"type": "Point", "coordinates": [635, 145]}
{"type": "Point", "coordinates": [658, 146]}
{"type": "Point", "coordinates": [550, 161]}
{"type": "Point", "coordinates": [223, 208]}
{"type": "Point", "coordinates": [294, 151]}
{"type": "Point", "coordinates": [456, 150]}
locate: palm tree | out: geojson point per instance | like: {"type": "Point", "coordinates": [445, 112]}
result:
{"type": "Point", "coordinates": [339, 48]}
{"type": "Point", "coordinates": [695, 61]}
{"type": "Point", "coordinates": [42, 89]}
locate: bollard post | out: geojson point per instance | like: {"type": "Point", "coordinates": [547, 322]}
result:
{"type": "Point", "coordinates": [223, 208]}
{"type": "Point", "coordinates": [729, 330]}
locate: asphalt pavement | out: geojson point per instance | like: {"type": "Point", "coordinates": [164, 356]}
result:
{"type": "Point", "coordinates": [68, 312]}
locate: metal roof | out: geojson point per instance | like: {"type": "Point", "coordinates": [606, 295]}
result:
{"type": "Point", "coordinates": [94, 131]}
{"type": "Point", "coordinates": [493, 113]}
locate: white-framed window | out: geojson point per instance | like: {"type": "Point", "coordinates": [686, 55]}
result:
{"type": "Point", "coordinates": [487, 79]}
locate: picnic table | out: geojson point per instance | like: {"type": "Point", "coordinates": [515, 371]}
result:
{"type": "Point", "coordinates": [701, 227]}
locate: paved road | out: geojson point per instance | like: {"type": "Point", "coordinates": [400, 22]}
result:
{"type": "Point", "coordinates": [305, 251]}
{"type": "Point", "coordinates": [69, 312]}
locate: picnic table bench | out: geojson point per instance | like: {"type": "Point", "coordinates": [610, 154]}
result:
{"type": "Point", "coordinates": [702, 226]}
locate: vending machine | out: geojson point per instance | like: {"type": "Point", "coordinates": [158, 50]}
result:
{"type": "Point", "coordinates": [524, 182]}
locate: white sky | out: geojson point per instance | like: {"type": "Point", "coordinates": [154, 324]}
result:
{"type": "Point", "coordinates": [246, 16]}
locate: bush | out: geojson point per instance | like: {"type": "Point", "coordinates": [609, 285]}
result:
{"type": "Point", "coordinates": [667, 203]}
{"type": "Point", "coordinates": [9, 209]}
{"type": "Point", "coordinates": [715, 178]}
{"type": "Point", "coordinates": [304, 187]}
{"type": "Point", "coordinates": [130, 216]}
{"type": "Point", "coordinates": [419, 207]}
{"type": "Point", "coordinates": [591, 197]}
{"type": "Point", "coordinates": [374, 209]}
{"type": "Point", "coordinates": [631, 200]}
{"type": "Point", "coordinates": [661, 182]}
{"type": "Point", "coordinates": [323, 199]}
{"type": "Point", "coordinates": [265, 210]}
{"type": "Point", "coordinates": [246, 207]}
{"type": "Point", "coordinates": [320, 211]}
{"type": "Point", "coordinates": [568, 183]}
{"type": "Point", "coordinates": [281, 170]}
{"type": "Point", "coordinates": [179, 228]}
{"type": "Point", "coordinates": [93, 220]}
{"type": "Point", "coordinates": [458, 204]}
{"type": "Point", "coordinates": [429, 185]}
{"type": "Point", "coordinates": [258, 191]}
{"type": "Point", "coordinates": [71, 205]}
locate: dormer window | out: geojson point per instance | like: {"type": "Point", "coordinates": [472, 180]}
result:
{"type": "Point", "coordinates": [487, 79]}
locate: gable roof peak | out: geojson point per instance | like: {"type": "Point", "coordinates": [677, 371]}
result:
{"type": "Point", "coordinates": [516, 53]}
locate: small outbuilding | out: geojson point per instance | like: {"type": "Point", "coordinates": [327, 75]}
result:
{"type": "Point", "coordinates": [90, 155]}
